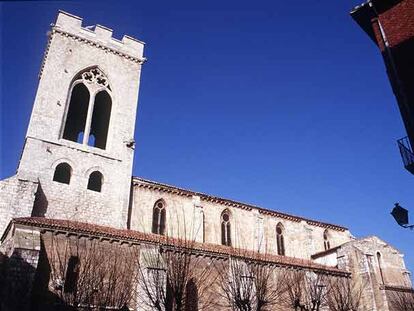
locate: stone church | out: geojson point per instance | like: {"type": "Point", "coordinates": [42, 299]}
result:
{"type": "Point", "coordinates": [74, 183]}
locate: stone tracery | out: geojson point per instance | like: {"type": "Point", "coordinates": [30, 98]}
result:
{"type": "Point", "coordinates": [95, 76]}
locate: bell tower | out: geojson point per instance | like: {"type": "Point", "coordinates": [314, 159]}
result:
{"type": "Point", "coordinates": [79, 146]}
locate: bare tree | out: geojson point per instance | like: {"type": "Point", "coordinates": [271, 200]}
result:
{"type": "Point", "coordinates": [251, 284]}
{"type": "Point", "coordinates": [270, 284]}
{"type": "Point", "coordinates": [236, 284]}
{"type": "Point", "coordinates": [307, 290]}
{"type": "Point", "coordinates": [401, 300]}
{"type": "Point", "coordinates": [344, 294]}
{"type": "Point", "coordinates": [88, 274]}
{"type": "Point", "coordinates": [174, 276]}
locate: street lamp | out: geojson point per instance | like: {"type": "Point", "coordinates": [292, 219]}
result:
{"type": "Point", "coordinates": [400, 215]}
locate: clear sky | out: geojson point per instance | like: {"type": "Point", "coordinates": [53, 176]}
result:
{"type": "Point", "coordinates": [282, 104]}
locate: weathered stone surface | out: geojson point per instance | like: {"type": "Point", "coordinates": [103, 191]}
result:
{"type": "Point", "coordinates": [72, 49]}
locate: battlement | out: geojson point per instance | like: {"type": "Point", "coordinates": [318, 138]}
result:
{"type": "Point", "coordinates": [101, 35]}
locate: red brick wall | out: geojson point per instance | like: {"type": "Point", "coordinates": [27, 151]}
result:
{"type": "Point", "coordinates": [398, 23]}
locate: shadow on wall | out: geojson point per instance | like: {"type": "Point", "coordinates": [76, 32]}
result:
{"type": "Point", "coordinates": [16, 277]}
{"type": "Point", "coordinates": [40, 203]}
{"type": "Point", "coordinates": [23, 287]}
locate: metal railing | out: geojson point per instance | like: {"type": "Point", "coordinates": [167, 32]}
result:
{"type": "Point", "coordinates": [407, 154]}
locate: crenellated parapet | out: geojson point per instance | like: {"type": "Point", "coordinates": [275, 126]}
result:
{"type": "Point", "coordinates": [100, 36]}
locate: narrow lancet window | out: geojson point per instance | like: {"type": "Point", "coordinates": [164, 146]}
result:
{"type": "Point", "coordinates": [95, 181]}
{"type": "Point", "coordinates": [63, 173]}
{"type": "Point", "coordinates": [326, 243]}
{"type": "Point", "coordinates": [380, 266]}
{"type": "Point", "coordinates": [191, 296]}
{"type": "Point", "coordinates": [280, 240]}
{"type": "Point", "coordinates": [77, 113]}
{"type": "Point", "coordinates": [158, 218]}
{"type": "Point", "coordinates": [72, 274]}
{"type": "Point", "coordinates": [100, 119]}
{"type": "Point", "coordinates": [225, 228]}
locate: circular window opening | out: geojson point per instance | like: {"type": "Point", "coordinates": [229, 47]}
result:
{"type": "Point", "coordinates": [226, 217]}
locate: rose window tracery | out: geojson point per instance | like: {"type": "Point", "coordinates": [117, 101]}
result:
{"type": "Point", "coordinates": [96, 76]}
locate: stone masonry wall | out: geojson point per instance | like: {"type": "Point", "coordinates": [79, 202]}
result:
{"type": "Point", "coordinates": [17, 197]}
{"type": "Point", "coordinates": [360, 257]}
{"type": "Point", "coordinates": [250, 228]}
{"type": "Point", "coordinates": [71, 49]}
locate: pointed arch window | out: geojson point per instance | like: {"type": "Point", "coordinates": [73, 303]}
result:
{"type": "Point", "coordinates": [63, 173]}
{"type": "Point", "coordinates": [77, 112]}
{"type": "Point", "coordinates": [191, 296]}
{"type": "Point", "coordinates": [72, 274]}
{"type": "Point", "coordinates": [226, 228]}
{"type": "Point", "coordinates": [95, 181]}
{"type": "Point", "coordinates": [280, 239]}
{"type": "Point", "coordinates": [89, 111]}
{"type": "Point", "coordinates": [326, 242]}
{"type": "Point", "coordinates": [158, 218]}
{"type": "Point", "coordinates": [380, 266]}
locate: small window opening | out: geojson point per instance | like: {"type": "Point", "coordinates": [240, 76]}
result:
{"type": "Point", "coordinates": [225, 228]}
{"type": "Point", "coordinates": [77, 113]}
{"type": "Point", "coordinates": [326, 243]}
{"type": "Point", "coordinates": [62, 173]}
{"type": "Point", "coordinates": [72, 274]}
{"type": "Point", "coordinates": [280, 240]}
{"type": "Point", "coordinates": [158, 218]}
{"type": "Point", "coordinates": [100, 119]}
{"type": "Point", "coordinates": [191, 296]}
{"type": "Point", "coordinates": [95, 181]}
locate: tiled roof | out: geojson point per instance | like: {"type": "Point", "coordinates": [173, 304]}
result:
{"type": "Point", "coordinates": [144, 183]}
{"type": "Point", "coordinates": [87, 229]}
{"type": "Point", "coordinates": [326, 252]}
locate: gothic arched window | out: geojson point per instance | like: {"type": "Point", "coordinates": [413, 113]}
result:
{"type": "Point", "coordinates": [326, 243]}
{"type": "Point", "coordinates": [63, 173]}
{"type": "Point", "coordinates": [225, 228]}
{"type": "Point", "coordinates": [158, 218]}
{"type": "Point", "coordinates": [77, 113]}
{"type": "Point", "coordinates": [191, 296]}
{"type": "Point", "coordinates": [280, 240]}
{"type": "Point", "coordinates": [100, 119]}
{"type": "Point", "coordinates": [72, 274]}
{"type": "Point", "coordinates": [380, 266]}
{"type": "Point", "coordinates": [89, 112]}
{"type": "Point", "coordinates": [95, 181]}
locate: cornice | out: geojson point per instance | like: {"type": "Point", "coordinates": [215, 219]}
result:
{"type": "Point", "coordinates": [98, 45]}
{"type": "Point", "coordinates": [152, 185]}
{"type": "Point", "coordinates": [56, 30]}
{"type": "Point", "coordinates": [80, 229]}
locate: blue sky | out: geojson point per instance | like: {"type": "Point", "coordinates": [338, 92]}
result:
{"type": "Point", "coordinates": [282, 104]}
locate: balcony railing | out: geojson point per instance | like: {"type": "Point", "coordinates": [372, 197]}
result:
{"type": "Point", "coordinates": [407, 154]}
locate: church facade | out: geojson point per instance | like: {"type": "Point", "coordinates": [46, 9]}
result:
{"type": "Point", "coordinates": [74, 183]}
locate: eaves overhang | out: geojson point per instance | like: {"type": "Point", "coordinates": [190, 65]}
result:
{"type": "Point", "coordinates": [364, 13]}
